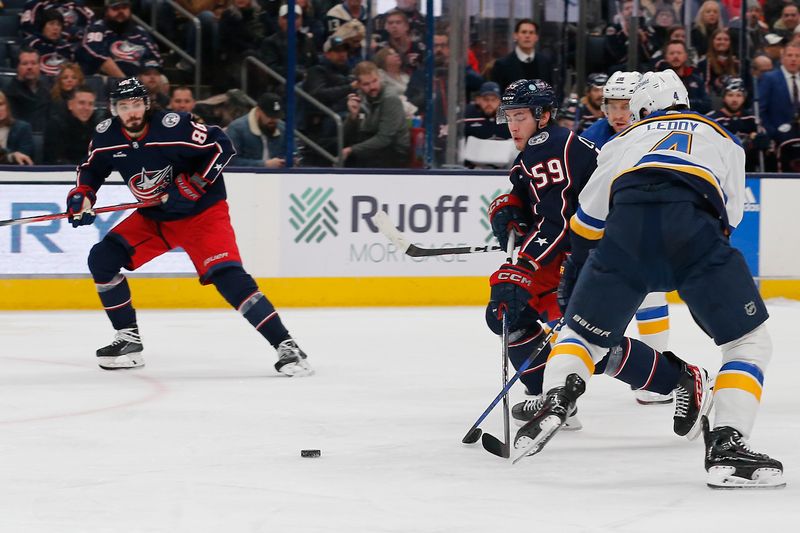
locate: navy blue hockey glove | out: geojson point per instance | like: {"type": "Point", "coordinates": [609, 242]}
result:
{"type": "Point", "coordinates": [507, 212]}
{"type": "Point", "coordinates": [569, 276]}
{"type": "Point", "coordinates": [184, 193]}
{"type": "Point", "coordinates": [512, 293]}
{"type": "Point", "coordinates": [80, 201]}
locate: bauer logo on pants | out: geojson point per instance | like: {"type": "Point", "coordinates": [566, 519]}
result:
{"type": "Point", "coordinates": [313, 214]}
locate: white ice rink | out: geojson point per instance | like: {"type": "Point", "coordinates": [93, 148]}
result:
{"type": "Point", "coordinates": [207, 438]}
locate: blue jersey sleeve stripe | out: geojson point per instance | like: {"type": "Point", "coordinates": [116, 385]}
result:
{"type": "Point", "coordinates": [741, 366]}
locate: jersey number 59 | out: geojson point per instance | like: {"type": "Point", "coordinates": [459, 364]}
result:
{"type": "Point", "coordinates": [549, 171]}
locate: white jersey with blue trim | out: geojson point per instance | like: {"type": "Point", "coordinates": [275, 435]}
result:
{"type": "Point", "coordinates": [687, 145]}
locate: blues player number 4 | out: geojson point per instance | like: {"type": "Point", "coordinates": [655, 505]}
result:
{"type": "Point", "coordinates": [676, 140]}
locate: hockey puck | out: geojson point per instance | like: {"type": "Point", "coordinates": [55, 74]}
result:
{"type": "Point", "coordinates": [310, 453]}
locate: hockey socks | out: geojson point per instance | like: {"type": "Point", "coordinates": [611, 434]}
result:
{"type": "Point", "coordinates": [240, 290]}
{"type": "Point", "coordinates": [116, 299]}
{"type": "Point", "coordinates": [642, 367]}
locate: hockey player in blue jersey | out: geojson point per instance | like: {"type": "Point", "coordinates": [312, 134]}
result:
{"type": "Point", "coordinates": [553, 166]}
{"type": "Point", "coordinates": [656, 216]}
{"type": "Point", "coordinates": [652, 318]}
{"type": "Point", "coordinates": [167, 156]}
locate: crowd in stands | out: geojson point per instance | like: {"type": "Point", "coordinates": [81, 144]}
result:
{"type": "Point", "coordinates": [67, 55]}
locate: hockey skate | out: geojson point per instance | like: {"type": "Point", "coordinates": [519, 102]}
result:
{"type": "Point", "coordinates": [292, 361]}
{"type": "Point", "coordinates": [523, 412]}
{"type": "Point", "coordinates": [645, 397]}
{"type": "Point", "coordinates": [560, 401]}
{"type": "Point", "coordinates": [124, 352]}
{"type": "Point", "coordinates": [731, 464]}
{"type": "Point", "coordinates": [693, 400]}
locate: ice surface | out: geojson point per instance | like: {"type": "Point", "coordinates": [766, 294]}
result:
{"type": "Point", "coordinates": [207, 438]}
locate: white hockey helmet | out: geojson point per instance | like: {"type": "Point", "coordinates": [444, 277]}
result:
{"type": "Point", "coordinates": [656, 91]}
{"type": "Point", "coordinates": [620, 86]}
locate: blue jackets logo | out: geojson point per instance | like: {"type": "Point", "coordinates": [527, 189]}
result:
{"type": "Point", "coordinates": [150, 184]}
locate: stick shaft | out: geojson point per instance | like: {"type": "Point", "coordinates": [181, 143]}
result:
{"type": "Point", "coordinates": [99, 210]}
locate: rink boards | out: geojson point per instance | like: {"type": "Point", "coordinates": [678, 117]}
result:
{"type": "Point", "coordinates": [308, 240]}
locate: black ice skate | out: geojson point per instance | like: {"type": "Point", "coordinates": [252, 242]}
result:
{"type": "Point", "coordinates": [292, 361]}
{"type": "Point", "coordinates": [732, 465]}
{"type": "Point", "coordinates": [693, 399]}
{"type": "Point", "coordinates": [560, 401]}
{"type": "Point", "coordinates": [523, 412]}
{"type": "Point", "coordinates": [124, 352]}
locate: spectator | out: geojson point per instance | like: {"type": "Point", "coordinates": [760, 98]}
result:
{"type": "Point", "coordinates": [16, 137]}
{"type": "Point", "coordinates": [346, 11]}
{"type": "Point", "coordinates": [275, 48]}
{"type": "Point", "coordinates": [617, 38]}
{"type": "Point", "coordinates": [150, 76]}
{"type": "Point", "coordinates": [77, 17]}
{"type": "Point", "coordinates": [480, 117]}
{"type": "Point", "coordinates": [719, 63]}
{"type": "Point", "coordinates": [70, 77]}
{"type": "Point", "coordinates": [67, 136]}
{"type": "Point", "coordinates": [523, 62]}
{"type": "Point", "coordinates": [740, 121]}
{"type": "Point", "coordinates": [241, 32]}
{"type": "Point", "coordinates": [390, 67]}
{"type": "Point", "coordinates": [790, 18]}
{"type": "Point", "coordinates": [170, 22]}
{"type": "Point", "coordinates": [399, 38]}
{"type": "Point", "coordinates": [182, 99]}
{"type": "Point", "coordinates": [773, 48]}
{"type": "Point", "coordinates": [674, 33]}
{"type": "Point", "coordinates": [53, 49]}
{"type": "Point", "coordinates": [590, 109]}
{"type": "Point", "coordinates": [707, 22]}
{"type": "Point", "coordinates": [779, 96]}
{"type": "Point", "coordinates": [756, 28]}
{"type": "Point", "coordinates": [260, 136]}
{"type": "Point", "coordinates": [353, 33]}
{"type": "Point", "coordinates": [760, 65]}
{"type": "Point", "coordinates": [330, 83]}
{"type": "Point", "coordinates": [376, 130]}
{"type": "Point", "coordinates": [676, 58]}
{"type": "Point", "coordinates": [662, 21]}
{"type": "Point", "coordinates": [415, 18]}
{"type": "Point", "coordinates": [313, 23]}
{"type": "Point", "coordinates": [116, 46]}
{"type": "Point", "coordinates": [28, 93]}
{"type": "Point", "coordinates": [415, 93]}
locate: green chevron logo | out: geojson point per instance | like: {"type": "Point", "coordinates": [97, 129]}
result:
{"type": "Point", "coordinates": [313, 214]}
{"type": "Point", "coordinates": [486, 200]}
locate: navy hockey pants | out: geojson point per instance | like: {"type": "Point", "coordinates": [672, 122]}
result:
{"type": "Point", "coordinates": [661, 237]}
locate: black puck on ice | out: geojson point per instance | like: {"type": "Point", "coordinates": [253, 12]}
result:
{"type": "Point", "coordinates": [310, 453]}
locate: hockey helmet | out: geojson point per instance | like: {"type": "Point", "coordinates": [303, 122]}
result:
{"type": "Point", "coordinates": [536, 95]}
{"type": "Point", "coordinates": [657, 91]}
{"type": "Point", "coordinates": [568, 109]}
{"type": "Point", "coordinates": [620, 86]}
{"type": "Point", "coordinates": [127, 89]}
{"type": "Point", "coordinates": [734, 84]}
{"type": "Point", "coordinates": [597, 79]}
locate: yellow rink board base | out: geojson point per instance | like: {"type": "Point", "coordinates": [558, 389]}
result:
{"type": "Point", "coordinates": [165, 293]}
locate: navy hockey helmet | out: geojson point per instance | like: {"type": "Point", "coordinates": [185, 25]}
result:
{"type": "Point", "coordinates": [127, 89]}
{"type": "Point", "coordinates": [536, 95]}
{"type": "Point", "coordinates": [734, 84]}
{"type": "Point", "coordinates": [568, 109]}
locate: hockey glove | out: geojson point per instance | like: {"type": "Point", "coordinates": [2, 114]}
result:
{"type": "Point", "coordinates": [183, 194]}
{"type": "Point", "coordinates": [79, 206]}
{"type": "Point", "coordinates": [512, 294]}
{"type": "Point", "coordinates": [506, 213]}
{"type": "Point", "coordinates": [569, 276]}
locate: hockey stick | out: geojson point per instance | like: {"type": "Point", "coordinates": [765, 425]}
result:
{"type": "Point", "coordinates": [475, 432]}
{"type": "Point", "coordinates": [384, 224]}
{"type": "Point", "coordinates": [99, 210]}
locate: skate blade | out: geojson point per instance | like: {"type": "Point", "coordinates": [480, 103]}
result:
{"type": "Point", "coordinates": [723, 478]}
{"type": "Point", "coordinates": [571, 424]}
{"type": "Point", "coordinates": [121, 362]}
{"type": "Point", "coordinates": [548, 427]}
{"type": "Point", "coordinates": [299, 369]}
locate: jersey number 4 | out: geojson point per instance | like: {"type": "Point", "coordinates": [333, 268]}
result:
{"type": "Point", "coordinates": [549, 171]}
{"type": "Point", "coordinates": [677, 140]}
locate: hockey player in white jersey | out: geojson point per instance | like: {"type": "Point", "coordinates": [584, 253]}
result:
{"type": "Point", "coordinates": [657, 215]}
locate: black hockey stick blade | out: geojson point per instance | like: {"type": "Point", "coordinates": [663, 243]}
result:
{"type": "Point", "coordinates": [472, 435]}
{"type": "Point", "coordinates": [385, 226]}
{"type": "Point", "coordinates": [494, 446]}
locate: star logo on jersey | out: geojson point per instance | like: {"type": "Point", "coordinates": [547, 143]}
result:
{"type": "Point", "coordinates": [218, 167]}
{"type": "Point", "coordinates": [150, 184]}
{"type": "Point", "coordinates": [313, 214]}
{"type": "Point", "coordinates": [541, 241]}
